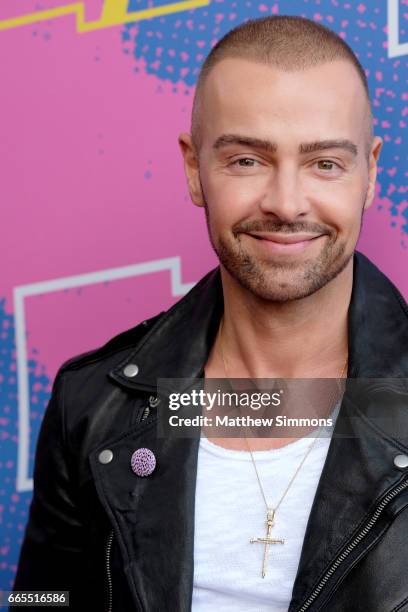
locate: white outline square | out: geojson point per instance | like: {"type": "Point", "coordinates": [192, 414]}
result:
{"type": "Point", "coordinates": [395, 48]}
{"type": "Point", "coordinates": [173, 264]}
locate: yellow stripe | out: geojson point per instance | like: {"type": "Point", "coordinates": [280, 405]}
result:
{"type": "Point", "coordinates": [8, 24]}
{"type": "Point", "coordinates": [114, 13]}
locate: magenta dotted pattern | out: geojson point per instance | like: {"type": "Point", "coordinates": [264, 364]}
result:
{"type": "Point", "coordinates": [143, 462]}
{"type": "Point", "coordinates": [173, 48]}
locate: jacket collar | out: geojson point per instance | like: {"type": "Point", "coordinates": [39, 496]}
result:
{"type": "Point", "coordinates": [179, 343]}
{"type": "Point", "coordinates": [378, 325]}
{"type": "Point", "coordinates": [177, 346]}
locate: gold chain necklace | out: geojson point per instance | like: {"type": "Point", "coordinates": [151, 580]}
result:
{"type": "Point", "coordinates": [270, 512]}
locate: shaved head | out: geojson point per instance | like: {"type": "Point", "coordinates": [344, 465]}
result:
{"type": "Point", "coordinates": [287, 43]}
{"type": "Point", "coordinates": [281, 156]}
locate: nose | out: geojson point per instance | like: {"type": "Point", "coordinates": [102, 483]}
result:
{"type": "Point", "coordinates": [283, 195]}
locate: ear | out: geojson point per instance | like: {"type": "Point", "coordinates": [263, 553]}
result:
{"type": "Point", "coordinates": [191, 168]}
{"type": "Point", "coordinates": [372, 170]}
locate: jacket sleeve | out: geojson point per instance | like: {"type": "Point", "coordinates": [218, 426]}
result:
{"type": "Point", "coordinates": [51, 556]}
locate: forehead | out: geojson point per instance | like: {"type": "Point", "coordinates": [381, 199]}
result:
{"type": "Point", "coordinates": [242, 96]}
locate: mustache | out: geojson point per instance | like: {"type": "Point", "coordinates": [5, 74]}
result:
{"type": "Point", "coordinates": [268, 225]}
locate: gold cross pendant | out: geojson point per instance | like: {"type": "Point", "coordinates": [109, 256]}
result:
{"type": "Point", "coordinates": [267, 540]}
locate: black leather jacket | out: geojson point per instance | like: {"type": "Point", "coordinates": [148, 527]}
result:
{"type": "Point", "coordinates": [120, 542]}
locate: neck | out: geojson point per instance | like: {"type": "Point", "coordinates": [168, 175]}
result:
{"type": "Point", "coordinates": [264, 339]}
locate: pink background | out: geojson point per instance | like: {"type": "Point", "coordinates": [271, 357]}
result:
{"type": "Point", "coordinates": [91, 178]}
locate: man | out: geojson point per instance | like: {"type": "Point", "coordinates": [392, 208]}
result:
{"type": "Point", "coordinates": [283, 159]}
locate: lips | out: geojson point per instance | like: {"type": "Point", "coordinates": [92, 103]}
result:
{"type": "Point", "coordinates": [284, 238]}
{"type": "Point", "coordinates": [284, 243]}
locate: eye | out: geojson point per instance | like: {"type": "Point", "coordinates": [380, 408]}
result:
{"type": "Point", "coordinates": [327, 164]}
{"type": "Point", "coordinates": [244, 162]}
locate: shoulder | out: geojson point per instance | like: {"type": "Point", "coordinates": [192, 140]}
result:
{"type": "Point", "coordinates": [83, 388]}
{"type": "Point", "coordinates": [119, 344]}
{"type": "Point", "coordinates": [124, 343]}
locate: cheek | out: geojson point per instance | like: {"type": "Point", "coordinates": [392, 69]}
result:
{"type": "Point", "coordinates": [339, 204]}
{"type": "Point", "coordinates": [231, 199]}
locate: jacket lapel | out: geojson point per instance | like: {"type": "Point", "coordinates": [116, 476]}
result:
{"type": "Point", "coordinates": [359, 471]}
{"type": "Point", "coordinates": [153, 516]}
{"type": "Point", "coordinates": [359, 468]}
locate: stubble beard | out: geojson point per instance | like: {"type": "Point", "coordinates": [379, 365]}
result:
{"type": "Point", "coordinates": [274, 280]}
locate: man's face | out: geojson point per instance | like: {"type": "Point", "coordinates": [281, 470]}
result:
{"type": "Point", "coordinates": [283, 205]}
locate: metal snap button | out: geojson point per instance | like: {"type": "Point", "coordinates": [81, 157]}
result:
{"type": "Point", "coordinates": [401, 462]}
{"type": "Point", "coordinates": [131, 370]}
{"type": "Point", "coordinates": [105, 456]}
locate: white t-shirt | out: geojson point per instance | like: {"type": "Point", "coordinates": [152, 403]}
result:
{"type": "Point", "coordinates": [230, 510]}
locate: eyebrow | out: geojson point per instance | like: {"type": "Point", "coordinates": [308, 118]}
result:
{"type": "Point", "coordinates": [271, 147]}
{"type": "Point", "coordinates": [256, 143]}
{"type": "Point", "coordinates": [336, 143]}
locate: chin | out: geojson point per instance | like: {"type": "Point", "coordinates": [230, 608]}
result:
{"type": "Point", "coordinates": [284, 282]}
{"type": "Point", "coordinates": [281, 290]}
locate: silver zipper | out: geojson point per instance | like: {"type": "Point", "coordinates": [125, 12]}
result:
{"type": "Point", "coordinates": [108, 569]}
{"type": "Point", "coordinates": [145, 413]}
{"type": "Point", "coordinates": [154, 401]}
{"type": "Point", "coordinates": [353, 544]}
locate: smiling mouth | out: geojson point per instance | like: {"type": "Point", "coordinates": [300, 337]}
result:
{"type": "Point", "coordinates": [284, 238]}
{"type": "Point", "coordinates": [285, 243]}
